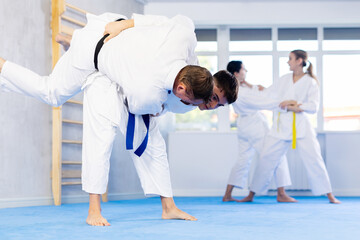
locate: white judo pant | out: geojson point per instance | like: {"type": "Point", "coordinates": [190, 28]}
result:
{"type": "Point", "coordinates": [251, 132]}
{"type": "Point", "coordinates": [64, 82]}
{"type": "Point", "coordinates": [310, 153]}
{"type": "Point", "coordinates": [104, 111]}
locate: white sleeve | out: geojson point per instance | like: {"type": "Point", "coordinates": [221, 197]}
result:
{"type": "Point", "coordinates": [259, 100]}
{"type": "Point", "coordinates": [148, 20]}
{"type": "Point", "coordinates": [313, 98]}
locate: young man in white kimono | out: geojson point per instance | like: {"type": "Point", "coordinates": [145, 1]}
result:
{"type": "Point", "coordinates": [148, 62]}
{"type": "Point", "coordinates": [104, 112]}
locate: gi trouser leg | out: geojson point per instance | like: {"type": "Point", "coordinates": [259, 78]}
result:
{"type": "Point", "coordinates": [64, 82]}
{"type": "Point", "coordinates": [240, 171]}
{"type": "Point", "coordinates": [153, 166]}
{"type": "Point", "coordinates": [98, 138]}
{"type": "Point", "coordinates": [310, 153]}
{"type": "Point", "coordinates": [101, 100]}
{"type": "Point", "coordinates": [270, 158]}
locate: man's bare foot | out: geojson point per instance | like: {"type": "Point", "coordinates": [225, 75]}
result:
{"type": "Point", "coordinates": [2, 61]}
{"type": "Point", "coordinates": [170, 211]}
{"type": "Point", "coordinates": [175, 213]}
{"type": "Point", "coordinates": [285, 198]}
{"type": "Point", "coordinates": [333, 199]}
{"type": "Point", "coordinates": [95, 219]}
{"type": "Point", "coordinates": [64, 40]}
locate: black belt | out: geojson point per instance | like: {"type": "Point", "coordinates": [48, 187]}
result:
{"type": "Point", "coordinates": [99, 45]}
{"type": "Point", "coordinates": [130, 130]}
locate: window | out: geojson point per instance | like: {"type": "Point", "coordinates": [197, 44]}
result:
{"type": "Point", "coordinates": [341, 39]}
{"type": "Point", "coordinates": [335, 59]}
{"type": "Point", "coordinates": [259, 67]}
{"type": "Point", "coordinates": [260, 72]}
{"type": "Point", "coordinates": [297, 38]}
{"type": "Point", "coordinates": [250, 40]}
{"type": "Point", "coordinates": [341, 92]}
{"type": "Point", "coordinates": [207, 40]}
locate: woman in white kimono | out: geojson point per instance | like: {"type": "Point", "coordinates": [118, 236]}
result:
{"type": "Point", "coordinates": [294, 128]}
{"type": "Point", "coordinates": [252, 127]}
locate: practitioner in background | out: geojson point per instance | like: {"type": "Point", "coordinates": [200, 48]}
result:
{"type": "Point", "coordinates": [252, 127]}
{"type": "Point", "coordinates": [294, 129]}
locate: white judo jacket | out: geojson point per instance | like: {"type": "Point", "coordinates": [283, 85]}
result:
{"type": "Point", "coordinates": [306, 92]}
{"type": "Point", "coordinates": [143, 60]}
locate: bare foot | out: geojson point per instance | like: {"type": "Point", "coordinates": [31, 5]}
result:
{"type": "Point", "coordinates": [175, 213]}
{"type": "Point", "coordinates": [228, 199]}
{"type": "Point", "coordinates": [64, 40]}
{"type": "Point", "coordinates": [285, 198]}
{"type": "Point", "coordinates": [333, 199]}
{"type": "Point", "coordinates": [2, 61]}
{"type": "Point", "coordinates": [231, 199]}
{"type": "Point", "coordinates": [95, 219]}
{"type": "Point", "coordinates": [248, 198]}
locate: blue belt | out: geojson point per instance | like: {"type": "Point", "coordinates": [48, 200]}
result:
{"type": "Point", "coordinates": [131, 122]}
{"type": "Point", "coordinates": [130, 134]}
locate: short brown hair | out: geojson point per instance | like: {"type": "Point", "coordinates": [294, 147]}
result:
{"type": "Point", "coordinates": [198, 81]}
{"type": "Point", "coordinates": [228, 83]}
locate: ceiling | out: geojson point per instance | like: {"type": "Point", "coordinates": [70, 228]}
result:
{"type": "Point", "coordinates": [177, 1]}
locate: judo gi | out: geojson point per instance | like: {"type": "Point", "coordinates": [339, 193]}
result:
{"type": "Point", "coordinates": [306, 92]}
{"type": "Point", "coordinates": [252, 127]}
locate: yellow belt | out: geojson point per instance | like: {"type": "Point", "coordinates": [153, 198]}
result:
{"type": "Point", "coordinates": [293, 128]}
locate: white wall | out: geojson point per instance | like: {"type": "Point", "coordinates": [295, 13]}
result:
{"type": "Point", "coordinates": [200, 162]}
{"type": "Point", "coordinates": [25, 123]}
{"type": "Point", "coordinates": [261, 12]}
{"type": "Point", "coordinates": [343, 162]}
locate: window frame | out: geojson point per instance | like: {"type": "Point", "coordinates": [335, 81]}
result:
{"type": "Point", "coordinates": [223, 53]}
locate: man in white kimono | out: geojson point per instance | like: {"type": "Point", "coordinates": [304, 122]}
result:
{"type": "Point", "coordinates": [103, 115]}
